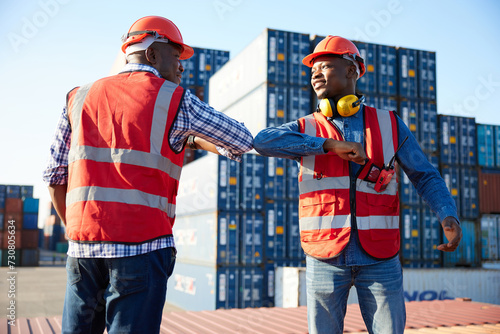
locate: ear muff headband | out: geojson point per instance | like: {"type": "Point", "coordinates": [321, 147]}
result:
{"type": "Point", "coordinates": [346, 106]}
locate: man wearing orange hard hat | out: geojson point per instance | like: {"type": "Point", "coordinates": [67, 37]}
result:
{"type": "Point", "coordinates": [113, 176]}
{"type": "Point", "coordinates": [349, 203]}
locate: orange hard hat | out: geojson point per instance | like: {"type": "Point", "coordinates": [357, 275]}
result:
{"type": "Point", "coordinates": [336, 45]}
{"type": "Point", "coordinates": [161, 29]}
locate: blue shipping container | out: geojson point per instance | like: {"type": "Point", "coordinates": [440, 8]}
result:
{"type": "Point", "coordinates": [13, 191]}
{"type": "Point", "coordinates": [252, 245]}
{"type": "Point", "coordinates": [30, 205]}
{"type": "Point", "coordinates": [497, 146]}
{"type": "Point", "coordinates": [469, 194]}
{"type": "Point", "coordinates": [410, 222]}
{"type": "Point", "coordinates": [277, 104]}
{"type": "Point", "coordinates": [3, 194]}
{"type": "Point", "coordinates": [451, 176]}
{"type": "Point", "coordinates": [252, 182]}
{"type": "Point", "coordinates": [277, 62]}
{"type": "Point", "coordinates": [449, 139]}
{"type": "Point", "coordinates": [299, 103]}
{"type": "Point", "coordinates": [387, 70]}
{"type": "Point", "coordinates": [371, 101]}
{"type": "Point", "coordinates": [275, 178]}
{"type": "Point", "coordinates": [485, 145]}
{"type": "Point", "coordinates": [299, 46]}
{"type": "Point", "coordinates": [30, 221]}
{"type": "Point", "coordinates": [228, 243]}
{"type": "Point", "coordinates": [466, 254]}
{"type": "Point", "coordinates": [294, 248]}
{"type": "Point", "coordinates": [26, 191]}
{"type": "Point", "coordinates": [251, 287]}
{"type": "Point", "coordinates": [428, 133]}
{"type": "Point", "coordinates": [427, 75]}
{"type": "Point", "coordinates": [292, 179]}
{"type": "Point", "coordinates": [467, 149]}
{"type": "Point", "coordinates": [229, 180]}
{"type": "Point", "coordinates": [408, 85]}
{"type": "Point", "coordinates": [275, 229]}
{"type": "Point", "coordinates": [367, 84]}
{"type": "Point", "coordinates": [408, 111]}
{"type": "Point", "coordinates": [431, 236]}
{"type": "Point", "coordinates": [388, 103]}
{"type": "Point", "coordinates": [407, 193]}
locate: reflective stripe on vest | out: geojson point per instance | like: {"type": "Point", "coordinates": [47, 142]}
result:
{"type": "Point", "coordinates": [94, 210]}
{"type": "Point", "coordinates": [324, 236]}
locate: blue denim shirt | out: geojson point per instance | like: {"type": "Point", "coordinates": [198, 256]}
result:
{"type": "Point", "coordinates": [286, 141]}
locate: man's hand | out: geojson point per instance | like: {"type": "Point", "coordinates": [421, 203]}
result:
{"type": "Point", "coordinates": [453, 233]}
{"type": "Point", "coordinates": [346, 150]}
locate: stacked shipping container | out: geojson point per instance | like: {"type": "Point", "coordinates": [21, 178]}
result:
{"type": "Point", "coordinates": [18, 226]}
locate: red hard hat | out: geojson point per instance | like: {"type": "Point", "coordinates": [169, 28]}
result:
{"type": "Point", "coordinates": [158, 27]}
{"type": "Point", "coordinates": [335, 45]}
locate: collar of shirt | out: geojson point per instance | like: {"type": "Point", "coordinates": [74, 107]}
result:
{"type": "Point", "coordinates": [134, 67]}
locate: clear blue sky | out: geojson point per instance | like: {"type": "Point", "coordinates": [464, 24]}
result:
{"type": "Point", "coordinates": [51, 46]}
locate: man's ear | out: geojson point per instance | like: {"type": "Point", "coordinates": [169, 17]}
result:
{"type": "Point", "coordinates": [351, 71]}
{"type": "Point", "coordinates": [150, 54]}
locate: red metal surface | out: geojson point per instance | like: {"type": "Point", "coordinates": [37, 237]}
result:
{"type": "Point", "coordinates": [489, 192]}
{"type": "Point", "coordinates": [449, 316]}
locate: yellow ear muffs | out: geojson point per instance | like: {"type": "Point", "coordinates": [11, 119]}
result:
{"type": "Point", "coordinates": [346, 106]}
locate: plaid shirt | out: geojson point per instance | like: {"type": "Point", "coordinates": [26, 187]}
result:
{"type": "Point", "coordinates": [195, 117]}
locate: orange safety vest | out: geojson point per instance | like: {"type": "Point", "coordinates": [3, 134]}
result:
{"type": "Point", "coordinates": [123, 173]}
{"type": "Point", "coordinates": [325, 185]}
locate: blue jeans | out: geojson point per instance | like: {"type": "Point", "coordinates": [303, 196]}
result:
{"type": "Point", "coordinates": [123, 295]}
{"type": "Point", "coordinates": [380, 294]}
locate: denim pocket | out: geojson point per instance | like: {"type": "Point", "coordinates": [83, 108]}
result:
{"type": "Point", "coordinates": [73, 270]}
{"type": "Point", "coordinates": [129, 274]}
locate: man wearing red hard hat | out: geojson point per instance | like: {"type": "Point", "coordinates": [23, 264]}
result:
{"type": "Point", "coordinates": [349, 203]}
{"type": "Point", "coordinates": [113, 176]}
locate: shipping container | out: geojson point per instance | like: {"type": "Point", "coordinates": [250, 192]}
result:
{"type": "Point", "coordinates": [451, 176]}
{"type": "Point", "coordinates": [292, 179]}
{"type": "Point", "coordinates": [26, 192]}
{"type": "Point", "coordinates": [12, 238]}
{"type": "Point", "coordinates": [408, 72]}
{"type": "Point", "coordinates": [299, 104]}
{"type": "Point", "coordinates": [190, 75]}
{"type": "Point", "coordinates": [252, 243]}
{"type": "Point", "coordinates": [387, 103]}
{"type": "Point", "coordinates": [269, 286]}
{"type": "Point", "coordinates": [485, 145]}
{"type": "Point", "coordinates": [497, 146]}
{"type": "Point", "coordinates": [294, 248]}
{"type": "Point", "coordinates": [427, 75]}
{"type": "Point", "coordinates": [251, 287]}
{"type": "Point", "coordinates": [30, 257]}
{"type": "Point", "coordinates": [408, 194]}
{"type": "Point", "coordinates": [431, 238]}
{"type": "Point", "coordinates": [427, 124]}
{"type": "Point", "coordinates": [448, 139]}
{"type": "Point", "coordinates": [490, 237]}
{"type": "Point", "coordinates": [56, 236]}
{"type": "Point", "coordinates": [275, 229]}
{"type": "Point", "coordinates": [209, 238]}
{"type": "Point", "coordinates": [466, 254]}
{"type": "Point", "coordinates": [408, 112]}
{"type": "Point", "coordinates": [489, 191]}
{"type": "Point", "coordinates": [229, 184]}
{"type": "Point", "coordinates": [14, 220]}
{"type": "Point", "coordinates": [201, 66]}
{"type": "Point", "coordinates": [275, 178]}
{"type": "Point", "coordinates": [467, 146]}
{"type": "Point", "coordinates": [3, 194]}
{"type": "Point", "coordinates": [29, 239]}
{"type": "Point", "coordinates": [367, 84]}
{"type": "Point", "coordinates": [1, 221]}
{"type": "Point", "coordinates": [271, 58]}
{"type": "Point", "coordinates": [387, 70]}
{"type": "Point", "coordinates": [13, 191]}
{"type": "Point", "coordinates": [252, 182]}
{"type": "Point", "coordinates": [410, 238]}
{"type": "Point", "coordinates": [10, 257]}
{"type": "Point", "coordinates": [371, 101]}
{"type": "Point", "coordinates": [291, 290]}
{"type": "Point", "coordinates": [13, 205]}
{"type": "Point", "coordinates": [469, 195]}
{"type": "Point", "coordinates": [30, 205]}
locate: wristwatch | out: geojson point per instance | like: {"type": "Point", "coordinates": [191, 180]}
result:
{"type": "Point", "coordinates": [190, 142]}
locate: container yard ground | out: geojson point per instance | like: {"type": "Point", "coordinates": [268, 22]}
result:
{"type": "Point", "coordinates": [39, 291]}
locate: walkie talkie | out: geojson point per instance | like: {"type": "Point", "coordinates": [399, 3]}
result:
{"type": "Point", "coordinates": [387, 172]}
